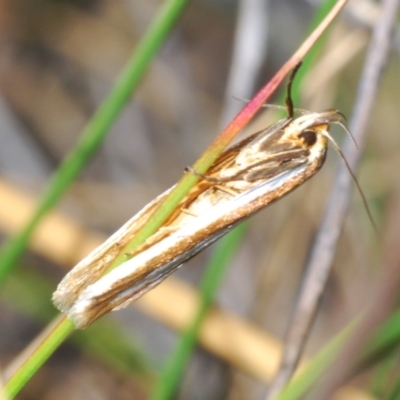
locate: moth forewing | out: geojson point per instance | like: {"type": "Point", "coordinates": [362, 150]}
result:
{"type": "Point", "coordinates": [141, 273]}
{"type": "Point", "coordinates": [247, 177]}
{"type": "Point", "coordinates": [93, 266]}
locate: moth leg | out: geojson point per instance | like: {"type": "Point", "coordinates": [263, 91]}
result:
{"type": "Point", "coordinates": [187, 212]}
{"type": "Point", "coordinates": [231, 191]}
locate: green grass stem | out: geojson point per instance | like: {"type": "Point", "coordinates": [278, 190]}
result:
{"type": "Point", "coordinates": [90, 141]}
{"type": "Point", "coordinates": [97, 128]}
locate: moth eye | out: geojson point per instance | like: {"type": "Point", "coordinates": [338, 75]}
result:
{"type": "Point", "coordinates": [309, 137]}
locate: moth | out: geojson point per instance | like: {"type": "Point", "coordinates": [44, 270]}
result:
{"type": "Point", "coordinates": [245, 178]}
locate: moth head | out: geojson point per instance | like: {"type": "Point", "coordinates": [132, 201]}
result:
{"type": "Point", "coordinates": [311, 131]}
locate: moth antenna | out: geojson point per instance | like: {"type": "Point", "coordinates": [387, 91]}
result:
{"type": "Point", "coordinates": [348, 132]}
{"type": "Point", "coordinates": [288, 99]}
{"type": "Point", "coordinates": [353, 177]}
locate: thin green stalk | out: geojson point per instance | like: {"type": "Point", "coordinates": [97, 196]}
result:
{"type": "Point", "coordinates": [60, 329]}
{"type": "Point", "coordinates": [384, 342]}
{"type": "Point", "coordinates": [29, 292]}
{"type": "Point", "coordinates": [317, 366]}
{"type": "Point", "coordinates": [178, 359]}
{"type": "Point", "coordinates": [95, 131]}
{"type": "Point", "coordinates": [88, 144]}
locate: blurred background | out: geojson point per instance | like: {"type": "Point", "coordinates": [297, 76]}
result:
{"type": "Point", "coordinates": [59, 60]}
